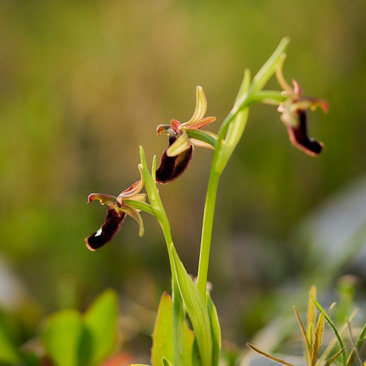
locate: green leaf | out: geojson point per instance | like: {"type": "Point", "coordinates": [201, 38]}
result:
{"type": "Point", "coordinates": [216, 330]}
{"type": "Point", "coordinates": [100, 329]}
{"type": "Point", "coordinates": [166, 362]}
{"type": "Point", "coordinates": [163, 335]}
{"type": "Point", "coordinates": [61, 336]}
{"type": "Point", "coordinates": [196, 308]}
{"type": "Point", "coordinates": [233, 136]}
{"type": "Point", "coordinates": [8, 349]}
{"type": "Point", "coordinates": [244, 87]}
{"type": "Point", "coordinates": [196, 358]}
{"type": "Point", "coordinates": [236, 126]}
{"type": "Point", "coordinates": [269, 68]}
{"type": "Point", "coordinates": [188, 336]}
{"type": "Point", "coordinates": [152, 191]}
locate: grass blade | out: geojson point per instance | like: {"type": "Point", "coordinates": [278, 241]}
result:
{"type": "Point", "coordinates": [311, 314]}
{"type": "Point", "coordinates": [344, 361]}
{"type": "Point", "coordinates": [332, 343]}
{"type": "Point", "coordinates": [306, 341]}
{"type": "Point", "coordinates": [354, 346]}
{"type": "Point", "coordinates": [333, 358]}
{"type": "Point", "coordinates": [317, 339]}
{"type": "Point", "coordinates": [268, 355]}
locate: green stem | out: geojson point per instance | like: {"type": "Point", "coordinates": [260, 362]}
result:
{"type": "Point", "coordinates": [248, 95]}
{"type": "Point", "coordinates": [209, 210]}
{"type": "Point", "coordinates": [208, 218]}
{"type": "Point", "coordinates": [158, 210]}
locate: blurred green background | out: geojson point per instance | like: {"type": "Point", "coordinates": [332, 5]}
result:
{"type": "Point", "coordinates": [84, 83]}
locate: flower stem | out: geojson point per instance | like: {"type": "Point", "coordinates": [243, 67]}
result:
{"type": "Point", "coordinates": [159, 212]}
{"type": "Point", "coordinates": [207, 227]}
{"type": "Point", "coordinates": [249, 93]}
{"type": "Point", "coordinates": [209, 210]}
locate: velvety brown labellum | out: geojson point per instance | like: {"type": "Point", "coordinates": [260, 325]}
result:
{"type": "Point", "coordinates": [171, 167]}
{"type": "Point", "coordinates": [106, 233]}
{"type": "Point", "coordinates": [299, 137]}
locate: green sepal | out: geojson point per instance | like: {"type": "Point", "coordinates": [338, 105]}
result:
{"type": "Point", "coordinates": [201, 107]}
{"type": "Point", "coordinates": [138, 205]}
{"type": "Point", "coordinates": [202, 136]}
{"type": "Point", "coordinates": [180, 145]}
{"type": "Point", "coordinates": [196, 309]}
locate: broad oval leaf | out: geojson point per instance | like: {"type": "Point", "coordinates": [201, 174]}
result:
{"type": "Point", "coordinates": [100, 329]}
{"type": "Point", "coordinates": [61, 337]}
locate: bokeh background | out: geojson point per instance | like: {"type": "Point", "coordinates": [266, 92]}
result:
{"type": "Point", "coordinates": [84, 83]}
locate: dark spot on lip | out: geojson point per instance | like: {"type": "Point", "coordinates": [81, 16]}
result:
{"type": "Point", "coordinates": [299, 137]}
{"type": "Point", "coordinates": [108, 230]}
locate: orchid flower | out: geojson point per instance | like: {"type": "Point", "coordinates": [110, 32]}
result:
{"type": "Point", "coordinates": [177, 156]}
{"type": "Point", "coordinates": [293, 114]}
{"type": "Point", "coordinates": [118, 209]}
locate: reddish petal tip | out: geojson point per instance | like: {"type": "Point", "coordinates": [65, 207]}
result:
{"type": "Point", "coordinates": [324, 106]}
{"type": "Point", "coordinates": [91, 198]}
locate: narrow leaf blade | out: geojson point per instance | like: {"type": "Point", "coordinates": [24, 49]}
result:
{"type": "Point", "coordinates": [216, 331]}
{"type": "Point", "coordinates": [196, 308]}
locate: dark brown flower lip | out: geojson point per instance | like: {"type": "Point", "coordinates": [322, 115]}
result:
{"type": "Point", "coordinates": [108, 230]}
{"type": "Point", "coordinates": [171, 167]}
{"type": "Point", "coordinates": [300, 139]}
